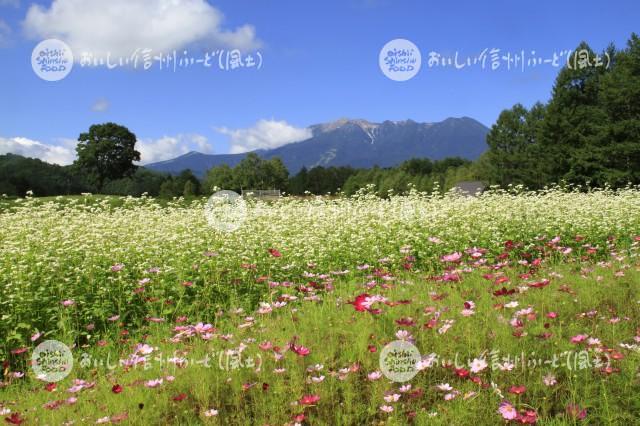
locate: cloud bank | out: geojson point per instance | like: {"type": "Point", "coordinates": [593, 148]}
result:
{"type": "Point", "coordinates": [57, 154]}
{"type": "Point", "coordinates": [122, 26]}
{"type": "Point", "coordinates": [64, 152]}
{"type": "Point", "coordinates": [168, 147]}
{"type": "Point", "coordinates": [265, 134]}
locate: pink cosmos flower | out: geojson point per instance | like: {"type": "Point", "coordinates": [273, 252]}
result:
{"type": "Point", "coordinates": [144, 349]}
{"type": "Point", "coordinates": [451, 395]}
{"type": "Point", "coordinates": [394, 397]}
{"type": "Point", "coordinates": [309, 399]}
{"type": "Point", "coordinates": [117, 267]}
{"type": "Point", "coordinates": [507, 410]}
{"type": "Point", "coordinates": [275, 253]}
{"type": "Point", "coordinates": [453, 257]}
{"type": "Point", "coordinates": [576, 412]}
{"type": "Point", "coordinates": [477, 365]}
{"type": "Point", "coordinates": [300, 350]}
{"type": "Point", "coordinates": [153, 383]}
{"type": "Point", "coordinates": [68, 303]}
{"type": "Point", "coordinates": [265, 346]}
{"type": "Point", "coordinates": [265, 308]}
{"type": "Point", "coordinates": [374, 376]}
{"type": "Point", "coordinates": [579, 338]}
{"type": "Point", "coordinates": [318, 379]}
{"type": "Point", "coordinates": [517, 390]}
{"type": "Point", "coordinates": [360, 302]}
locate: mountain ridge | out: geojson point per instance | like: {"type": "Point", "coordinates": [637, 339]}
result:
{"type": "Point", "coordinates": [356, 143]}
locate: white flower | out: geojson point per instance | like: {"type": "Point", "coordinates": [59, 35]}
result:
{"type": "Point", "coordinates": [506, 366]}
{"type": "Point", "coordinates": [444, 387]}
{"type": "Point", "coordinates": [549, 380]}
{"type": "Point", "coordinates": [211, 413]}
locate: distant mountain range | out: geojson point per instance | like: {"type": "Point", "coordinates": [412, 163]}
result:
{"type": "Point", "coordinates": [356, 143]}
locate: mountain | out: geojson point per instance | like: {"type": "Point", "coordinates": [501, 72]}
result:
{"type": "Point", "coordinates": [357, 143]}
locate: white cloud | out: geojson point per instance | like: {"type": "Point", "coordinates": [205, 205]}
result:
{"type": "Point", "coordinates": [168, 147]}
{"type": "Point", "coordinates": [265, 134]}
{"type": "Point", "coordinates": [58, 154]}
{"type": "Point", "coordinates": [101, 105]}
{"type": "Point", "coordinates": [122, 26]}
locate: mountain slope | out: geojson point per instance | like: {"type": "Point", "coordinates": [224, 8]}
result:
{"type": "Point", "coordinates": [358, 143]}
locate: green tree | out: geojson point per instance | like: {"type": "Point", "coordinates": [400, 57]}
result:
{"type": "Point", "coordinates": [221, 177]}
{"type": "Point", "coordinates": [106, 151]}
{"type": "Point", "coordinates": [298, 184]}
{"type": "Point", "coordinates": [620, 98]}
{"type": "Point", "coordinates": [417, 166]}
{"type": "Point", "coordinates": [248, 172]}
{"type": "Point", "coordinates": [514, 152]}
{"type": "Point", "coordinates": [188, 190]}
{"type": "Point", "coordinates": [180, 184]}
{"type": "Point", "coordinates": [575, 123]}
{"type": "Point", "coordinates": [275, 174]}
{"type": "Point", "coordinates": [167, 189]}
{"type": "Point", "coordinates": [253, 172]}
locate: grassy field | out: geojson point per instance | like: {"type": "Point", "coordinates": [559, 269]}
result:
{"type": "Point", "coordinates": [525, 308]}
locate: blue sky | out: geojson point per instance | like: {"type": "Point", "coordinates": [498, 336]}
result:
{"type": "Point", "coordinates": [320, 63]}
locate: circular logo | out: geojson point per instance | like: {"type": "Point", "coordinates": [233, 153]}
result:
{"type": "Point", "coordinates": [52, 60]}
{"type": "Point", "coordinates": [52, 361]}
{"type": "Point", "coordinates": [399, 361]}
{"type": "Point", "coordinates": [400, 60]}
{"type": "Point", "coordinates": [225, 211]}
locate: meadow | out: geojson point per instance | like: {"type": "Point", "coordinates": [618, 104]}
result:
{"type": "Point", "coordinates": [525, 307]}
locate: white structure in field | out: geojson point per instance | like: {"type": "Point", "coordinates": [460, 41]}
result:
{"type": "Point", "coordinates": [263, 194]}
{"type": "Point", "coordinates": [472, 188]}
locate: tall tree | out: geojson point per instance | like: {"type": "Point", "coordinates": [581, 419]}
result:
{"type": "Point", "coordinates": [275, 174]}
{"type": "Point", "coordinates": [249, 172]}
{"type": "Point", "coordinates": [620, 98]}
{"type": "Point", "coordinates": [576, 122]}
{"type": "Point", "coordinates": [514, 154]}
{"type": "Point", "coordinates": [106, 152]}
